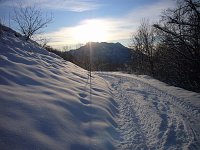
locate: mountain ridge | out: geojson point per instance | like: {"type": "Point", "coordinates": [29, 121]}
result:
{"type": "Point", "coordinates": [103, 56]}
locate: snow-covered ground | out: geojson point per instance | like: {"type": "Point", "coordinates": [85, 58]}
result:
{"type": "Point", "coordinates": [153, 115]}
{"type": "Point", "coordinates": [48, 103]}
{"type": "Point", "coordinates": [45, 102]}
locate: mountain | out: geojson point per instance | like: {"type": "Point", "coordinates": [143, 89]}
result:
{"type": "Point", "coordinates": [102, 56]}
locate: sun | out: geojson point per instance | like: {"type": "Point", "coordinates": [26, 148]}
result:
{"type": "Point", "coordinates": [90, 31]}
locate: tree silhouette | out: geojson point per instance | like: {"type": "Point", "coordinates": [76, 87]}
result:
{"type": "Point", "coordinates": [30, 20]}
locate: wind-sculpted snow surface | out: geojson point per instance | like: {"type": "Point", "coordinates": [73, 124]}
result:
{"type": "Point", "coordinates": [151, 118]}
{"type": "Point", "coordinates": [46, 103]}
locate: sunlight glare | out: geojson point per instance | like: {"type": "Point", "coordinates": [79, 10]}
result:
{"type": "Point", "coordinates": [90, 31]}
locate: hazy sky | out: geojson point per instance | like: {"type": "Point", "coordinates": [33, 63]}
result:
{"type": "Point", "coordinates": [80, 21]}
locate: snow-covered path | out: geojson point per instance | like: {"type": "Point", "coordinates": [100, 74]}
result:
{"type": "Point", "coordinates": [150, 118]}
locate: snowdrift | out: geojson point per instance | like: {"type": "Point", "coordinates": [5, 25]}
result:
{"type": "Point", "coordinates": [47, 103]}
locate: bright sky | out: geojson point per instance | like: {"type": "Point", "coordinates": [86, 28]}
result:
{"type": "Point", "coordinates": [81, 21]}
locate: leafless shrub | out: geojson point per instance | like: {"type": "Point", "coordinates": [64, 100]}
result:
{"type": "Point", "coordinates": [30, 20]}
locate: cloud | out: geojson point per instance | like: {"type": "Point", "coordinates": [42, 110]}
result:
{"type": "Point", "coordinates": [68, 5]}
{"type": "Point", "coordinates": [115, 29]}
{"type": "Point", "coordinates": [99, 30]}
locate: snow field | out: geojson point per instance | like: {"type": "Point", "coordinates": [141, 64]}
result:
{"type": "Point", "coordinates": [46, 102]}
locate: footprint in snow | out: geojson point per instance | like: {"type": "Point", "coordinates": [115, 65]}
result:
{"type": "Point", "coordinates": [84, 101]}
{"type": "Point", "coordinates": [83, 98]}
{"type": "Point", "coordinates": [82, 95]}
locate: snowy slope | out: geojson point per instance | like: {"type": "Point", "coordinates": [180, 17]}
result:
{"type": "Point", "coordinates": [153, 115]}
{"type": "Point", "coordinates": [45, 102]}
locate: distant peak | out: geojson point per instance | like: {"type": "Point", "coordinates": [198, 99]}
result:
{"type": "Point", "coordinates": [103, 43]}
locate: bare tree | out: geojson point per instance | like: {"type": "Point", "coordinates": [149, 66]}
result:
{"type": "Point", "coordinates": [144, 41]}
{"type": "Point", "coordinates": [180, 32]}
{"type": "Point", "coordinates": [65, 48]}
{"type": "Point", "coordinates": [41, 40]}
{"type": "Point", "coordinates": [30, 20]}
{"type": "Point", "coordinates": [1, 32]}
{"type": "Point", "coordinates": [2, 22]}
{"type": "Point", "coordinates": [182, 24]}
